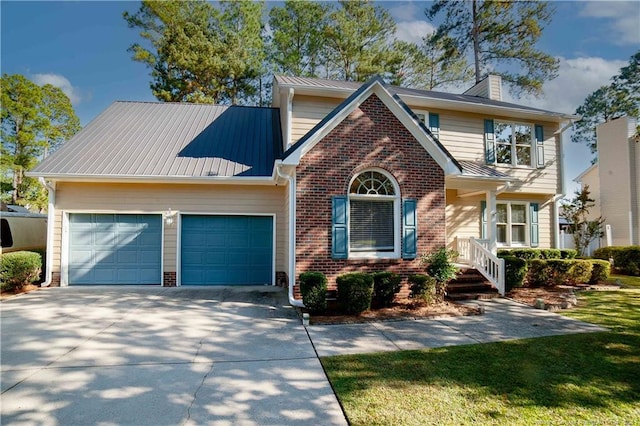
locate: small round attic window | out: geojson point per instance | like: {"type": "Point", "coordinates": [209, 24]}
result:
{"type": "Point", "coordinates": [372, 183]}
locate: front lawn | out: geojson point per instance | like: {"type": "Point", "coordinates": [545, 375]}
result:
{"type": "Point", "coordinates": [576, 379]}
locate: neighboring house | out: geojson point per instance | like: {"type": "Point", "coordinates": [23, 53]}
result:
{"type": "Point", "coordinates": [336, 177]}
{"type": "Point", "coordinates": [614, 181]}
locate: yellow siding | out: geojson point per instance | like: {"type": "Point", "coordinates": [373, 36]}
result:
{"type": "Point", "coordinates": [307, 111]}
{"type": "Point", "coordinates": [463, 216]}
{"type": "Point", "coordinates": [156, 198]}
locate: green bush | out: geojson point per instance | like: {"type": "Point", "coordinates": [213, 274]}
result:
{"type": "Point", "coordinates": [568, 253]}
{"type": "Point", "coordinates": [626, 259]}
{"type": "Point", "coordinates": [558, 271]}
{"type": "Point", "coordinates": [422, 287]}
{"type": "Point", "coordinates": [18, 269]}
{"type": "Point", "coordinates": [526, 254]}
{"type": "Point", "coordinates": [313, 286]}
{"type": "Point", "coordinates": [385, 287]}
{"type": "Point", "coordinates": [43, 270]}
{"type": "Point", "coordinates": [354, 292]}
{"type": "Point", "coordinates": [601, 270]}
{"type": "Point", "coordinates": [515, 272]}
{"type": "Point", "coordinates": [441, 267]}
{"type": "Point", "coordinates": [550, 254]}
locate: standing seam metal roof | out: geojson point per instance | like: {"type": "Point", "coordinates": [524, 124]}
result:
{"type": "Point", "coordinates": [155, 139]}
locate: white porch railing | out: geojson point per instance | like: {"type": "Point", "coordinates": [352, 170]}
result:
{"type": "Point", "coordinates": [476, 254]}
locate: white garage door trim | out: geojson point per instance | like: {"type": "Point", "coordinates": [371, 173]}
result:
{"type": "Point", "coordinates": [64, 249]}
{"type": "Point", "coordinates": [179, 239]}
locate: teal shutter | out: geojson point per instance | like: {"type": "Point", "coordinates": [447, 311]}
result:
{"type": "Point", "coordinates": [533, 217]}
{"type": "Point", "coordinates": [434, 124]}
{"type": "Point", "coordinates": [489, 142]}
{"type": "Point", "coordinates": [483, 219]}
{"type": "Point", "coordinates": [539, 146]}
{"type": "Point", "coordinates": [339, 231]}
{"type": "Point", "coordinates": [409, 228]}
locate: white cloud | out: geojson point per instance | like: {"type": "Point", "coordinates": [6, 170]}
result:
{"type": "Point", "coordinates": [576, 79]}
{"type": "Point", "coordinates": [413, 31]}
{"type": "Point", "coordinates": [60, 82]}
{"type": "Point", "coordinates": [625, 17]}
{"type": "Point", "coordinates": [406, 11]}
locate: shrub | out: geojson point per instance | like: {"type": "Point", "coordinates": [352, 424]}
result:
{"type": "Point", "coordinates": [313, 286]}
{"type": "Point", "coordinates": [550, 254]}
{"type": "Point", "coordinates": [580, 271]}
{"type": "Point", "coordinates": [441, 268]}
{"type": "Point", "coordinates": [539, 273]}
{"type": "Point", "coordinates": [422, 287]}
{"type": "Point", "coordinates": [385, 287]}
{"type": "Point", "coordinates": [526, 254]}
{"type": "Point", "coordinates": [601, 270]}
{"type": "Point", "coordinates": [18, 269]}
{"type": "Point", "coordinates": [43, 270]}
{"type": "Point", "coordinates": [558, 271]}
{"type": "Point", "coordinates": [568, 254]}
{"type": "Point", "coordinates": [626, 259]}
{"type": "Point", "coordinates": [354, 292]}
{"type": "Point", "coordinates": [515, 272]}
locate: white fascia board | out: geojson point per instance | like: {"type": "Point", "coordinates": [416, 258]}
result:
{"type": "Point", "coordinates": [229, 180]}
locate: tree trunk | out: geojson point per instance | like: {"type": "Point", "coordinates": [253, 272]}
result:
{"type": "Point", "coordinates": [475, 35]}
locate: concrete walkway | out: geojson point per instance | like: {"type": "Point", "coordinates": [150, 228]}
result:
{"type": "Point", "coordinates": [183, 356]}
{"type": "Point", "coordinates": [504, 319]}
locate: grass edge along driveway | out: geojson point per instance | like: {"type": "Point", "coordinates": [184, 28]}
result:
{"type": "Point", "coordinates": [575, 379]}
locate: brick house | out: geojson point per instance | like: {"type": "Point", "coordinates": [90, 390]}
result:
{"type": "Point", "coordinates": [335, 177]}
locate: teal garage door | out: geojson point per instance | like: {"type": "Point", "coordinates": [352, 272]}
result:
{"type": "Point", "coordinates": [115, 249]}
{"type": "Point", "coordinates": [226, 250]}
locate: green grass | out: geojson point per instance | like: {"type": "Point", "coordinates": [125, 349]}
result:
{"type": "Point", "coordinates": [577, 379]}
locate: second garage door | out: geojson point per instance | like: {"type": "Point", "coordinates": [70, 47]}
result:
{"type": "Point", "coordinates": [226, 250]}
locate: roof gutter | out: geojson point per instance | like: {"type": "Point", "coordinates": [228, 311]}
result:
{"type": "Point", "coordinates": [292, 234]}
{"type": "Point", "coordinates": [50, 222]}
{"type": "Point", "coordinates": [70, 177]}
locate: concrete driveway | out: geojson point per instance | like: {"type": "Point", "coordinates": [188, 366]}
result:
{"type": "Point", "coordinates": [160, 356]}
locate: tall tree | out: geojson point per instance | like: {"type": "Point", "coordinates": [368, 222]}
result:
{"type": "Point", "coordinates": [582, 229]}
{"type": "Point", "coordinates": [501, 37]}
{"type": "Point", "coordinates": [34, 121]}
{"type": "Point", "coordinates": [358, 38]}
{"type": "Point", "coordinates": [620, 98]}
{"type": "Point", "coordinates": [198, 53]}
{"type": "Point", "coordinates": [298, 42]}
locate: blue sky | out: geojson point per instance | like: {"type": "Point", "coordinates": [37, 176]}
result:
{"type": "Point", "coordinates": [82, 48]}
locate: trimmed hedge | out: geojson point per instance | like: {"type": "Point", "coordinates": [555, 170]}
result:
{"type": "Point", "coordinates": [355, 291]}
{"type": "Point", "coordinates": [17, 269]}
{"type": "Point", "coordinates": [422, 287]}
{"type": "Point", "coordinates": [313, 286]}
{"type": "Point", "coordinates": [530, 254]}
{"type": "Point", "coordinates": [558, 271]}
{"type": "Point", "coordinates": [626, 259]}
{"type": "Point", "coordinates": [385, 287]}
{"type": "Point", "coordinates": [515, 272]}
{"type": "Point", "coordinates": [601, 270]}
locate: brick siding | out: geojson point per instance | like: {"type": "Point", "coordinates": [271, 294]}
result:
{"type": "Point", "coordinates": [169, 279]}
{"type": "Point", "coordinates": [371, 136]}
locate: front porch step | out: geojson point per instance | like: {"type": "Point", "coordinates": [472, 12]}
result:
{"type": "Point", "coordinates": [470, 285]}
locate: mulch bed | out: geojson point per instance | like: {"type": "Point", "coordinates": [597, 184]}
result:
{"type": "Point", "coordinates": [25, 289]}
{"type": "Point", "coordinates": [401, 310]}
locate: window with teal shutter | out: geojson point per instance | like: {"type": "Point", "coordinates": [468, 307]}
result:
{"type": "Point", "coordinates": [409, 228]}
{"type": "Point", "coordinates": [339, 231]}
{"type": "Point", "coordinates": [533, 218]}
{"type": "Point", "coordinates": [539, 146]}
{"type": "Point", "coordinates": [434, 124]}
{"type": "Point", "coordinates": [489, 142]}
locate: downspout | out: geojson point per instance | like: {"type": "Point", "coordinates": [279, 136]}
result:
{"type": "Point", "coordinates": [50, 222]}
{"type": "Point", "coordinates": [292, 236]}
{"type": "Point", "coordinates": [556, 220]}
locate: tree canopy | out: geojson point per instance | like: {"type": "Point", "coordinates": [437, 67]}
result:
{"type": "Point", "coordinates": [501, 37]}
{"type": "Point", "coordinates": [621, 97]}
{"type": "Point", "coordinates": [35, 120]}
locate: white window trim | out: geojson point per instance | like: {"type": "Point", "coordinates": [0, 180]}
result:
{"type": "Point", "coordinates": [513, 144]}
{"type": "Point", "coordinates": [395, 254]}
{"type": "Point", "coordinates": [424, 112]}
{"type": "Point", "coordinates": [527, 229]}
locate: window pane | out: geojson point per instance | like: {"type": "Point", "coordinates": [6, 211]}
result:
{"type": "Point", "coordinates": [518, 234]}
{"type": "Point", "coordinates": [503, 132]}
{"type": "Point", "coordinates": [372, 183]}
{"type": "Point", "coordinates": [371, 225]}
{"type": "Point", "coordinates": [422, 117]}
{"type": "Point", "coordinates": [523, 155]}
{"type": "Point", "coordinates": [522, 134]}
{"type": "Point", "coordinates": [503, 153]}
{"type": "Point", "coordinates": [518, 213]}
{"type": "Point", "coordinates": [501, 236]}
{"type": "Point", "coordinates": [501, 213]}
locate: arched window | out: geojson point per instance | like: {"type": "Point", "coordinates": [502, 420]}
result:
{"type": "Point", "coordinates": [374, 215]}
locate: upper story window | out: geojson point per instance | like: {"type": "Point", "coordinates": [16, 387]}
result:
{"type": "Point", "coordinates": [513, 143]}
{"type": "Point", "coordinates": [430, 120]}
{"type": "Point", "coordinates": [374, 215]}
